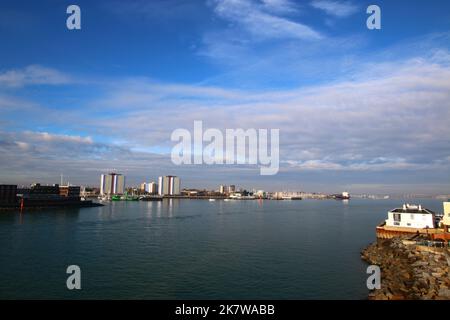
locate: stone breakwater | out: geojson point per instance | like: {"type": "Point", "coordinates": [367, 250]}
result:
{"type": "Point", "coordinates": [409, 271]}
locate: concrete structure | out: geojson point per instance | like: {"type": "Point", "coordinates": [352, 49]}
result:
{"type": "Point", "coordinates": [222, 189]}
{"type": "Point", "coordinates": [168, 186]}
{"type": "Point", "coordinates": [8, 195]}
{"type": "Point", "coordinates": [39, 191]}
{"type": "Point", "coordinates": [411, 216]}
{"type": "Point", "coordinates": [446, 218]}
{"type": "Point", "coordinates": [89, 192]}
{"type": "Point", "coordinates": [231, 188]}
{"type": "Point", "coordinates": [152, 188]}
{"type": "Point", "coordinates": [51, 196]}
{"type": "Point", "coordinates": [70, 191]}
{"type": "Point", "coordinates": [111, 184]}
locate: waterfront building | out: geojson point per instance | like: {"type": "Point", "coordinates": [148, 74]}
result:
{"type": "Point", "coordinates": [194, 193]}
{"type": "Point", "coordinates": [8, 194]}
{"type": "Point", "coordinates": [143, 187]}
{"type": "Point", "coordinates": [169, 185]}
{"type": "Point", "coordinates": [411, 216]}
{"type": "Point", "coordinates": [152, 187]}
{"type": "Point", "coordinates": [111, 184]}
{"type": "Point", "coordinates": [38, 195]}
{"type": "Point", "coordinates": [89, 192]}
{"type": "Point", "coordinates": [260, 194]}
{"type": "Point", "coordinates": [231, 188]}
{"type": "Point", "coordinates": [446, 218]}
{"type": "Point", "coordinates": [39, 191]}
{"type": "Point", "coordinates": [222, 189]}
{"type": "Point", "coordinates": [277, 195]}
{"type": "Point", "coordinates": [70, 191]}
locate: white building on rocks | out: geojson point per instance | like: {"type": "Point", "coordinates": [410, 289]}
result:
{"type": "Point", "coordinates": [411, 216]}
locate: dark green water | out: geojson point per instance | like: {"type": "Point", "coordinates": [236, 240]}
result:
{"type": "Point", "coordinates": [193, 249]}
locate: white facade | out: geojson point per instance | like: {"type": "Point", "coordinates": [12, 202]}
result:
{"type": "Point", "coordinates": [411, 216]}
{"type": "Point", "coordinates": [175, 186]}
{"type": "Point", "coordinates": [112, 183]}
{"type": "Point", "coordinates": [446, 218]}
{"type": "Point", "coordinates": [152, 188]}
{"type": "Point", "coordinates": [168, 185]}
{"type": "Point", "coordinates": [160, 186]}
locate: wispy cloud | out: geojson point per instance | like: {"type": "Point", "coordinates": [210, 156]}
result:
{"type": "Point", "coordinates": [280, 6]}
{"type": "Point", "coordinates": [264, 21]}
{"type": "Point", "coordinates": [368, 123]}
{"type": "Point", "coordinates": [33, 75]}
{"type": "Point", "coordinates": [339, 9]}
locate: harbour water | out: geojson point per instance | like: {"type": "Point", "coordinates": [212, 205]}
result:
{"type": "Point", "coordinates": [193, 249]}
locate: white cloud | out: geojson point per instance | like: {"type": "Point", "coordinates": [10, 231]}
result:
{"type": "Point", "coordinates": [32, 75]}
{"type": "Point", "coordinates": [339, 9]}
{"type": "Point", "coordinates": [263, 21]}
{"type": "Point", "coordinates": [280, 6]}
{"type": "Point", "coordinates": [394, 118]}
{"type": "Point", "coordinates": [56, 138]}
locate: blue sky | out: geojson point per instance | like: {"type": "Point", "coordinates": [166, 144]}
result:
{"type": "Point", "coordinates": [358, 109]}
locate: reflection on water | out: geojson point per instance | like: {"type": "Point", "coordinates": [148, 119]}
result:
{"type": "Point", "coordinates": [193, 249]}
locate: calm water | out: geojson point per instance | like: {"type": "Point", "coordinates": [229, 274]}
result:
{"type": "Point", "coordinates": [193, 249]}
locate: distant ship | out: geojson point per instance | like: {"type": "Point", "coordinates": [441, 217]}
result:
{"type": "Point", "coordinates": [151, 198]}
{"type": "Point", "coordinates": [343, 196]}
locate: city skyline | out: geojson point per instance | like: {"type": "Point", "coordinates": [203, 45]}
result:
{"type": "Point", "coordinates": [360, 110]}
{"type": "Point", "coordinates": [152, 187]}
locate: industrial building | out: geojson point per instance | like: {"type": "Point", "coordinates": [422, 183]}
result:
{"type": "Point", "coordinates": [8, 195]}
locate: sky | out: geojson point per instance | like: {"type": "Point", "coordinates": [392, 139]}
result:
{"type": "Point", "coordinates": [361, 110]}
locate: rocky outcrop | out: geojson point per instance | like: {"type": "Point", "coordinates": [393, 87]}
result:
{"type": "Point", "coordinates": [409, 271]}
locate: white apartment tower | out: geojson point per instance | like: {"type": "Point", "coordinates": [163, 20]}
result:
{"type": "Point", "coordinates": [168, 185]}
{"type": "Point", "coordinates": [152, 187]}
{"type": "Point", "coordinates": [112, 183]}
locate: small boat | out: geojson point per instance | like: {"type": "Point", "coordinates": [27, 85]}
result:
{"type": "Point", "coordinates": [212, 199]}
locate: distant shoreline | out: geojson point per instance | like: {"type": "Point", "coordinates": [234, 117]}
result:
{"type": "Point", "coordinates": [88, 204]}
